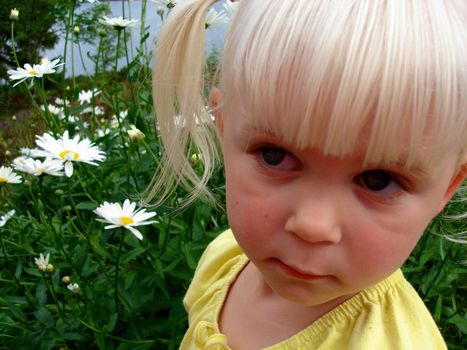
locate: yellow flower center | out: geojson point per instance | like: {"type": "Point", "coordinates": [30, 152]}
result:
{"type": "Point", "coordinates": [125, 220]}
{"type": "Point", "coordinates": [32, 72]}
{"type": "Point", "coordinates": [40, 170]}
{"type": "Point", "coordinates": [63, 154]}
{"type": "Point", "coordinates": [3, 179]}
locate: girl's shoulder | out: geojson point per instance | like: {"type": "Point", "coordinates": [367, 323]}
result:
{"type": "Point", "coordinates": [220, 263]}
{"type": "Point", "coordinates": [389, 315]}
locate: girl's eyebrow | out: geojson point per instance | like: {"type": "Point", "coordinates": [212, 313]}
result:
{"type": "Point", "coordinates": [417, 169]}
{"type": "Point", "coordinates": [250, 128]}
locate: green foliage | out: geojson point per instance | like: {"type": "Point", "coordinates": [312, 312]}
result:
{"type": "Point", "coordinates": [131, 291]}
{"type": "Point", "coordinates": [37, 28]}
{"type": "Point", "coordinates": [437, 270]}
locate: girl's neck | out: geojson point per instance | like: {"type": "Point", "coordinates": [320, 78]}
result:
{"type": "Point", "coordinates": [252, 305]}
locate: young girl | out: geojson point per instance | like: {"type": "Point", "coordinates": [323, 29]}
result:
{"type": "Point", "coordinates": [342, 125]}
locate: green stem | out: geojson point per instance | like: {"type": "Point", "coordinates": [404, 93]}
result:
{"type": "Point", "coordinates": [73, 81]}
{"type": "Point", "coordinates": [117, 114]}
{"type": "Point", "coordinates": [142, 44]}
{"type": "Point", "coordinates": [68, 29]}
{"type": "Point", "coordinates": [81, 56]}
{"type": "Point", "coordinates": [50, 287]}
{"type": "Point", "coordinates": [55, 127]}
{"type": "Point", "coordinates": [133, 99]}
{"type": "Point", "coordinates": [131, 37]}
{"type": "Point", "coordinates": [13, 46]}
{"type": "Point", "coordinates": [72, 201]}
{"type": "Point", "coordinates": [9, 268]}
{"type": "Point", "coordinates": [117, 269]}
{"type": "Point", "coordinates": [149, 150]}
{"type": "Point", "coordinates": [99, 261]}
{"type": "Point", "coordinates": [117, 51]}
{"type": "Point", "coordinates": [4, 197]}
{"type": "Point", "coordinates": [96, 69]}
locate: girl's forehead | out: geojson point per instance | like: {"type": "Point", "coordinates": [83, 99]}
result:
{"type": "Point", "coordinates": [284, 131]}
{"type": "Point", "coordinates": [329, 84]}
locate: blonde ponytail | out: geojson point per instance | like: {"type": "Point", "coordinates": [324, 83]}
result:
{"type": "Point", "coordinates": [184, 123]}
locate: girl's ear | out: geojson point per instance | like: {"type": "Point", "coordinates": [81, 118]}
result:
{"type": "Point", "coordinates": [456, 181]}
{"type": "Point", "coordinates": [215, 101]}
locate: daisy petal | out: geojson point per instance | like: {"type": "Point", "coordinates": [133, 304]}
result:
{"type": "Point", "coordinates": [68, 168]}
{"type": "Point", "coordinates": [135, 232]}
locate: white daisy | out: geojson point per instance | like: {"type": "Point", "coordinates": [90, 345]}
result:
{"type": "Point", "coordinates": [58, 111]}
{"type": "Point", "coordinates": [14, 14]}
{"type": "Point", "coordinates": [102, 132]}
{"type": "Point", "coordinates": [86, 96]}
{"type": "Point", "coordinates": [61, 101]}
{"type": "Point", "coordinates": [6, 217]}
{"type": "Point", "coordinates": [74, 287]}
{"type": "Point", "coordinates": [230, 6]}
{"type": "Point", "coordinates": [118, 23]}
{"type": "Point", "coordinates": [42, 262]}
{"type": "Point", "coordinates": [170, 4]}
{"type": "Point", "coordinates": [126, 216]}
{"type": "Point", "coordinates": [7, 175]}
{"type": "Point", "coordinates": [35, 71]}
{"type": "Point", "coordinates": [69, 150]}
{"type": "Point", "coordinates": [27, 72]}
{"type": "Point", "coordinates": [214, 18]}
{"type": "Point", "coordinates": [36, 167]}
{"type": "Point", "coordinates": [114, 121]}
{"type": "Point", "coordinates": [48, 67]}
{"type": "Point", "coordinates": [29, 152]}
{"type": "Point", "coordinates": [72, 119]}
{"type": "Point", "coordinates": [98, 110]}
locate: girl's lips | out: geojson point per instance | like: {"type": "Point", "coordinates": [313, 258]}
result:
{"type": "Point", "coordinates": [291, 271]}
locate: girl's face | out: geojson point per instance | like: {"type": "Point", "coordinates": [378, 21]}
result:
{"type": "Point", "coordinates": [319, 227]}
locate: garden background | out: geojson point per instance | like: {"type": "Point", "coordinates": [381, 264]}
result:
{"type": "Point", "coordinates": [67, 280]}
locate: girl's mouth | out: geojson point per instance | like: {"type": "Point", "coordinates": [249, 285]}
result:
{"type": "Point", "coordinates": [296, 273]}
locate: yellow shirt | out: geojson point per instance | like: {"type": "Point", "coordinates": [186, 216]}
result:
{"type": "Point", "coordinates": [387, 316]}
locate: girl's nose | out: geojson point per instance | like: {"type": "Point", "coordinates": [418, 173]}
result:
{"type": "Point", "coordinates": [315, 221]}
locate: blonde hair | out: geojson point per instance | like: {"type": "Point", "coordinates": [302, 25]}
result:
{"type": "Point", "coordinates": [320, 74]}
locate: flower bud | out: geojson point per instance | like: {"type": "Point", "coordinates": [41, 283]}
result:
{"type": "Point", "coordinates": [49, 268]}
{"type": "Point", "coordinates": [13, 117]}
{"type": "Point", "coordinates": [66, 280]}
{"type": "Point", "coordinates": [135, 134]}
{"type": "Point", "coordinates": [7, 153]}
{"type": "Point", "coordinates": [74, 287]}
{"type": "Point", "coordinates": [59, 192]}
{"type": "Point", "coordinates": [160, 11]}
{"type": "Point", "coordinates": [76, 30]}
{"type": "Point", "coordinates": [26, 183]}
{"type": "Point", "coordinates": [14, 14]}
{"type": "Point", "coordinates": [67, 208]}
{"type": "Point", "coordinates": [194, 159]}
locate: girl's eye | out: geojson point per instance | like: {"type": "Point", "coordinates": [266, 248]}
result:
{"type": "Point", "coordinates": [272, 156]}
{"type": "Point", "coordinates": [277, 158]}
{"type": "Point", "coordinates": [379, 181]}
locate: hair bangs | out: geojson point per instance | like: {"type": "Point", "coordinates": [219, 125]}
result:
{"type": "Point", "coordinates": [388, 74]}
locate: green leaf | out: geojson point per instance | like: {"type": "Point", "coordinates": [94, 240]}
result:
{"type": "Point", "coordinates": [100, 340]}
{"type": "Point", "coordinates": [133, 254]}
{"type": "Point", "coordinates": [460, 322]}
{"type": "Point", "coordinates": [87, 205]}
{"type": "Point", "coordinates": [44, 316]}
{"type": "Point", "coordinates": [16, 311]}
{"type": "Point", "coordinates": [41, 292]}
